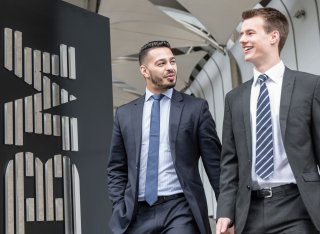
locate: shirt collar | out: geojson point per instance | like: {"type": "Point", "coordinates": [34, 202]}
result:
{"type": "Point", "coordinates": [275, 73]}
{"type": "Point", "coordinates": [167, 93]}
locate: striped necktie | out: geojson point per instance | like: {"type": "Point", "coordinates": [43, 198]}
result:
{"type": "Point", "coordinates": [264, 140]}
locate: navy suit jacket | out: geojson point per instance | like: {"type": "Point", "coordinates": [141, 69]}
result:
{"type": "Point", "coordinates": [192, 134]}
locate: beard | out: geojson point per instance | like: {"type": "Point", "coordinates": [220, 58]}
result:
{"type": "Point", "coordinates": [158, 82]}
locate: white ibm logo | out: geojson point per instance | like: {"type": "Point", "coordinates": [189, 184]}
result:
{"type": "Point", "coordinates": [30, 115]}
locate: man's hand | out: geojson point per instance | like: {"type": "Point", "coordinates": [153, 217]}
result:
{"type": "Point", "coordinates": [223, 225]}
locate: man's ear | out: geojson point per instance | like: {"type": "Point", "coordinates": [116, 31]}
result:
{"type": "Point", "coordinates": [144, 71]}
{"type": "Point", "coordinates": [275, 37]}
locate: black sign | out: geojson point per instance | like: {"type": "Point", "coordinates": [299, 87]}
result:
{"type": "Point", "coordinates": [56, 115]}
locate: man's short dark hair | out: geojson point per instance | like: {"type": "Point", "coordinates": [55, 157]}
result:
{"type": "Point", "coordinates": [274, 20]}
{"type": "Point", "coordinates": [150, 45]}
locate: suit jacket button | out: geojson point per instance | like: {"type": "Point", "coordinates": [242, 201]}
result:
{"type": "Point", "coordinates": [248, 187]}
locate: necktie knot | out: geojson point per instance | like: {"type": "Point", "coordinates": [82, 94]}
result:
{"type": "Point", "coordinates": [157, 97]}
{"type": "Point", "coordinates": [262, 78]}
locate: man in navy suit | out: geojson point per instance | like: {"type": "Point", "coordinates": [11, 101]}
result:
{"type": "Point", "coordinates": [187, 131]}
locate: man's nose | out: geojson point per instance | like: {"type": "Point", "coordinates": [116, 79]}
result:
{"type": "Point", "coordinates": [242, 39]}
{"type": "Point", "coordinates": [169, 67]}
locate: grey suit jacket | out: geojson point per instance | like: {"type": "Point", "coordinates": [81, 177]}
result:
{"type": "Point", "coordinates": [300, 129]}
{"type": "Point", "coordinates": [192, 133]}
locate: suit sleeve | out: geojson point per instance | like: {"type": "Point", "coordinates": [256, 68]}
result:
{"type": "Point", "coordinates": [117, 166]}
{"type": "Point", "coordinates": [210, 147]}
{"type": "Point", "coordinates": [316, 121]}
{"type": "Point", "coordinates": [229, 168]}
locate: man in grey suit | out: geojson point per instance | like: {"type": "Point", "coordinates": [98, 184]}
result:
{"type": "Point", "coordinates": [271, 139]}
{"type": "Point", "coordinates": [153, 178]}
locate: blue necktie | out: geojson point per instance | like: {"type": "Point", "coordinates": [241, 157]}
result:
{"type": "Point", "coordinates": [151, 191]}
{"type": "Point", "coordinates": [264, 139]}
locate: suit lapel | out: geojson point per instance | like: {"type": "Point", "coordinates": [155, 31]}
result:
{"type": "Point", "coordinates": [286, 94]}
{"type": "Point", "coordinates": [246, 113]}
{"type": "Point", "coordinates": [175, 116]}
{"type": "Point", "coordinates": [136, 122]}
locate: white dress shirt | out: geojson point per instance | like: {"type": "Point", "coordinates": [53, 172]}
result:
{"type": "Point", "coordinates": [282, 170]}
{"type": "Point", "coordinates": [168, 182]}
